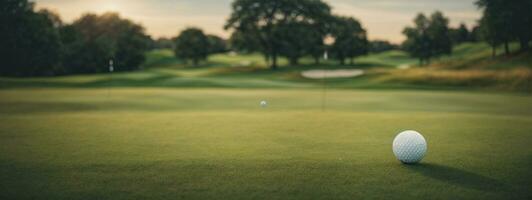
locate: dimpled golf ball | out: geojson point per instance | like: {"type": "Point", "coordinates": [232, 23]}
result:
{"type": "Point", "coordinates": [263, 103]}
{"type": "Point", "coordinates": [409, 147]}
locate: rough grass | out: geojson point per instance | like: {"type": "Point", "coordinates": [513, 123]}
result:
{"type": "Point", "coordinates": [517, 79]}
{"type": "Point", "coordinates": [220, 144]}
{"type": "Point", "coordinates": [470, 67]}
{"type": "Point", "coordinates": [479, 56]}
{"type": "Point", "coordinates": [392, 58]}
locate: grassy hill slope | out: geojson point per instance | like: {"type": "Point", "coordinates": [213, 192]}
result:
{"type": "Point", "coordinates": [469, 67]}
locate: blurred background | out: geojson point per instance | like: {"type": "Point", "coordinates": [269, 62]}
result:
{"type": "Point", "coordinates": [481, 44]}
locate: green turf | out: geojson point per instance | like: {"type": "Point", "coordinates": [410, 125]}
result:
{"type": "Point", "coordinates": [468, 68]}
{"type": "Point", "coordinates": [147, 143]}
{"type": "Point", "coordinates": [175, 131]}
{"type": "Point", "coordinates": [479, 55]}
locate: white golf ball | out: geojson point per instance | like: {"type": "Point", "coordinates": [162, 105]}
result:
{"type": "Point", "coordinates": [409, 147]}
{"type": "Point", "coordinates": [263, 103]}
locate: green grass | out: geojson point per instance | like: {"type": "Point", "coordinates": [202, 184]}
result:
{"type": "Point", "coordinates": [392, 58]}
{"type": "Point", "coordinates": [470, 67]}
{"type": "Point", "coordinates": [175, 131]}
{"type": "Point", "coordinates": [221, 71]}
{"type": "Point", "coordinates": [478, 55]}
{"type": "Point", "coordinates": [146, 143]}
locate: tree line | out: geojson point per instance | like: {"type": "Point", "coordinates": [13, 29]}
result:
{"type": "Point", "coordinates": [298, 28]}
{"type": "Point", "coordinates": [502, 22]}
{"type": "Point", "coordinates": [192, 44]}
{"type": "Point", "coordinates": [294, 29]}
{"type": "Point", "coordinates": [289, 28]}
{"type": "Point", "coordinates": [38, 43]}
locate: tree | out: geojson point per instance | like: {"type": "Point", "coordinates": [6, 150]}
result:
{"type": "Point", "coordinates": [244, 43]}
{"type": "Point", "coordinates": [92, 40]}
{"type": "Point", "coordinates": [488, 34]}
{"type": "Point", "coordinates": [507, 21]}
{"type": "Point", "coordinates": [297, 39]}
{"type": "Point", "coordinates": [475, 35]}
{"type": "Point", "coordinates": [522, 22]}
{"type": "Point", "coordinates": [377, 46]}
{"type": "Point", "coordinates": [460, 34]}
{"type": "Point", "coordinates": [428, 38]}
{"type": "Point", "coordinates": [316, 46]}
{"type": "Point", "coordinates": [315, 37]}
{"type": "Point", "coordinates": [164, 43]}
{"type": "Point", "coordinates": [260, 19]}
{"type": "Point", "coordinates": [30, 44]}
{"type": "Point", "coordinates": [438, 32]}
{"type": "Point", "coordinates": [53, 17]}
{"type": "Point", "coordinates": [417, 42]}
{"type": "Point", "coordinates": [350, 39]}
{"type": "Point", "coordinates": [216, 44]}
{"type": "Point", "coordinates": [192, 44]}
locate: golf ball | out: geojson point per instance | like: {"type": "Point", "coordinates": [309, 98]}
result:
{"type": "Point", "coordinates": [263, 103]}
{"type": "Point", "coordinates": [409, 147]}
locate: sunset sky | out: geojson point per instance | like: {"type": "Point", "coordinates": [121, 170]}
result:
{"type": "Point", "coordinates": [384, 19]}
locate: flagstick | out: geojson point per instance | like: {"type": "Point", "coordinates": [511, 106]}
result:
{"type": "Point", "coordinates": [324, 84]}
{"type": "Point", "coordinates": [111, 69]}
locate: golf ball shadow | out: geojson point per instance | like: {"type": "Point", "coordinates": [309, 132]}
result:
{"type": "Point", "coordinates": [409, 147]}
{"type": "Point", "coordinates": [457, 176]}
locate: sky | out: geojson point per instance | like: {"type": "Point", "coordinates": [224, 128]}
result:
{"type": "Point", "coordinates": [383, 19]}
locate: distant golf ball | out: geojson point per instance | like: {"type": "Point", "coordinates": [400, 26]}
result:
{"type": "Point", "coordinates": [263, 103]}
{"type": "Point", "coordinates": [409, 147]}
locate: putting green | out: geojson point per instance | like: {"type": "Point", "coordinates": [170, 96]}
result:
{"type": "Point", "coordinates": [220, 144]}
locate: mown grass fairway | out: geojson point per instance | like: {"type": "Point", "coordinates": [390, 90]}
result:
{"type": "Point", "coordinates": [147, 143]}
{"type": "Point", "coordinates": [173, 131]}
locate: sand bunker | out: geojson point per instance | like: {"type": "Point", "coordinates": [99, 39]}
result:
{"type": "Point", "coordinates": [403, 66]}
{"type": "Point", "coordinates": [336, 73]}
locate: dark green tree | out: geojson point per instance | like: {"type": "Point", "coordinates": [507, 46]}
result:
{"type": "Point", "coordinates": [460, 35]}
{"type": "Point", "coordinates": [350, 39]}
{"type": "Point", "coordinates": [297, 39]}
{"type": "Point", "coordinates": [438, 32]}
{"type": "Point", "coordinates": [164, 43]}
{"type": "Point", "coordinates": [522, 22]}
{"type": "Point", "coordinates": [30, 44]}
{"type": "Point", "coordinates": [246, 43]}
{"type": "Point", "coordinates": [243, 43]}
{"type": "Point", "coordinates": [377, 46]}
{"type": "Point", "coordinates": [428, 38]}
{"type": "Point", "coordinates": [92, 40]}
{"type": "Point", "coordinates": [192, 44]}
{"type": "Point", "coordinates": [475, 34]}
{"type": "Point", "coordinates": [417, 41]}
{"type": "Point", "coordinates": [315, 45]}
{"type": "Point", "coordinates": [53, 17]}
{"type": "Point", "coordinates": [315, 38]}
{"type": "Point", "coordinates": [259, 19]}
{"type": "Point", "coordinates": [492, 36]}
{"type": "Point", "coordinates": [507, 21]}
{"type": "Point", "coordinates": [216, 44]}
